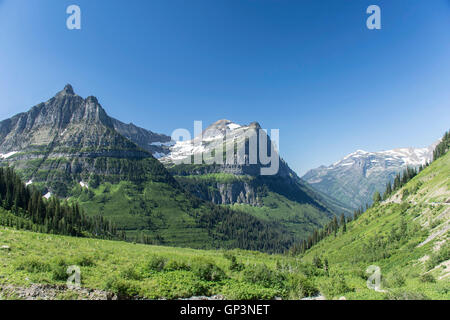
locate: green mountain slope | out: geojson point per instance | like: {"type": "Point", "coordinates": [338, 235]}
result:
{"type": "Point", "coordinates": [407, 236]}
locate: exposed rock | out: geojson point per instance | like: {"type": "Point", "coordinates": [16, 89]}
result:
{"type": "Point", "coordinates": [54, 292]}
{"type": "Point", "coordinates": [216, 297]}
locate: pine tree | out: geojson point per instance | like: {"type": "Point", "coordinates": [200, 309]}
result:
{"type": "Point", "coordinates": [376, 197]}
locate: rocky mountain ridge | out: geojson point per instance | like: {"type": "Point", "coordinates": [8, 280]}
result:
{"type": "Point", "coordinates": [355, 178]}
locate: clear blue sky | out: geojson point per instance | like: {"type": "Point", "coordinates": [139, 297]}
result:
{"type": "Point", "coordinates": [310, 68]}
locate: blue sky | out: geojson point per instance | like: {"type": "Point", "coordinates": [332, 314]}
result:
{"type": "Point", "coordinates": [310, 68]}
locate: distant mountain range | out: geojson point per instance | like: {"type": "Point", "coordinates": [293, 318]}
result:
{"type": "Point", "coordinates": [354, 179]}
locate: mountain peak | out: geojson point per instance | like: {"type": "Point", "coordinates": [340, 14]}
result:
{"type": "Point", "coordinates": [220, 124]}
{"type": "Point", "coordinates": [255, 125]}
{"type": "Point", "coordinates": [68, 90]}
{"type": "Point", "coordinates": [92, 99]}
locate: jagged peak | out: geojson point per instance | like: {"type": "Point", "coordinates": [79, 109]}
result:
{"type": "Point", "coordinates": [220, 124]}
{"type": "Point", "coordinates": [224, 124]}
{"type": "Point", "coordinates": [68, 90]}
{"type": "Point", "coordinates": [92, 99]}
{"type": "Point", "coordinates": [255, 125]}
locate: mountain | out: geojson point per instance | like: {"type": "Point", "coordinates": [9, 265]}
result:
{"type": "Point", "coordinates": [155, 143]}
{"type": "Point", "coordinates": [69, 147]}
{"type": "Point", "coordinates": [406, 236]}
{"type": "Point", "coordinates": [354, 179]}
{"type": "Point", "coordinates": [239, 182]}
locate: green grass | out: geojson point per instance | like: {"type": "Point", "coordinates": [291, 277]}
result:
{"type": "Point", "coordinates": [390, 235]}
{"type": "Point", "coordinates": [132, 269]}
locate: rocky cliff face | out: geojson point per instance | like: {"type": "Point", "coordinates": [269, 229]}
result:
{"type": "Point", "coordinates": [241, 192]}
{"type": "Point", "coordinates": [66, 140]}
{"type": "Point", "coordinates": [157, 144]}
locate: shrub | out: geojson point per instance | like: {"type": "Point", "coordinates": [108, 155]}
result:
{"type": "Point", "coordinates": [121, 287]}
{"type": "Point", "coordinates": [299, 286]}
{"type": "Point", "coordinates": [59, 269]}
{"type": "Point", "coordinates": [310, 270]}
{"type": "Point", "coordinates": [84, 261]}
{"type": "Point", "coordinates": [427, 277]}
{"type": "Point", "coordinates": [248, 291]}
{"type": "Point", "coordinates": [317, 262]}
{"type": "Point", "coordinates": [234, 264]}
{"type": "Point", "coordinates": [156, 263]}
{"type": "Point", "coordinates": [394, 280]}
{"type": "Point", "coordinates": [263, 276]}
{"type": "Point", "coordinates": [33, 265]}
{"type": "Point", "coordinates": [334, 286]}
{"type": "Point", "coordinates": [208, 271]}
{"type": "Point", "coordinates": [174, 285]}
{"type": "Point", "coordinates": [436, 258]}
{"type": "Point", "coordinates": [174, 265]}
{"type": "Point", "coordinates": [131, 273]}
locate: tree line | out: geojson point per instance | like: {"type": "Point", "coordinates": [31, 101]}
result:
{"type": "Point", "coordinates": [30, 210]}
{"type": "Point", "coordinates": [443, 147]}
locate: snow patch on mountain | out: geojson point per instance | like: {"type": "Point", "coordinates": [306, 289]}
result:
{"type": "Point", "coordinates": [158, 155]}
{"type": "Point", "coordinates": [233, 126]}
{"type": "Point", "coordinates": [8, 155]}
{"type": "Point", "coordinates": [165, 144]}
{"type": "Point", "coordinates": [84, 185]}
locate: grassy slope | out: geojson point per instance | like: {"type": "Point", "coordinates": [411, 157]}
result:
{"type": "Point", "coordinates": [126, 268]}
{"type": "Point", "coordinates": [407, 237]}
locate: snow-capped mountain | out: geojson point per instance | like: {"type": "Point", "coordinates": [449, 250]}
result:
{"type": "Point", "coordinates": [238, 180]}
{"type": "Point", "coordinates": [355, 178]}
{"type": "Point", "coordinates": [221, 132]}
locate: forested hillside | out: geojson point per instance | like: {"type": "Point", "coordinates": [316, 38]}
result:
{"type": "Point", "coordinates": [24, 207]}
